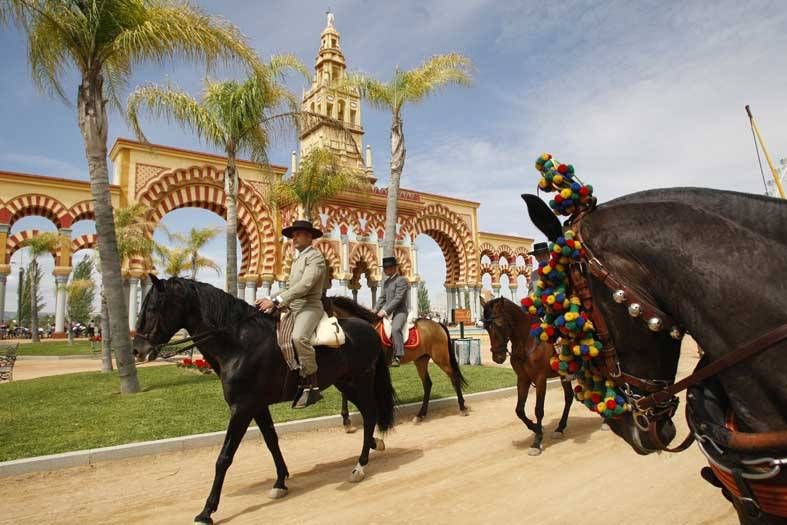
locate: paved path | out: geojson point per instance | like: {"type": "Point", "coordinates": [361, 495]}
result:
{"type": "Point", "coordinates": [449, 469]}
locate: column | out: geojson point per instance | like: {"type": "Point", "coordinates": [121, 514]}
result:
{"type": "Point", "coordinates": [496, 289]}
{"type": "Point", "coordinates": [355, 293]}
{"type": "Point", "coordinates": [146, 286]}
{"type": "Point", "coordinates": [373, 289]}
{"type": "Point", "coordinates": [345, 251]}
{"type": "Point", "coordinates": [414, 298]}
{"type": "Point", "coordinates": [342, 288]}
{"type": "Point", "coordinates": [513, 288]}
{"type": "Point", "coordinates": [133, 307]}
{"type": "Point", "coordinates": [241, 288]}
{"type": "Point", "coordinates": [475, 294]}
{"type": "Point", "coordinates": [449, 300]}
{"type": "Point", "coordinates": [3, 280]}
{"type": "Point", "coordinates": [458, 298]}
{"type": "Point", "coordinates": [251, 291]}
{"type": "Point", "coordinates": [414, 257]}
{"type": "Point", "coordinates": [266, 287]}
{"type": "Point", "coordinates": [60, 306]}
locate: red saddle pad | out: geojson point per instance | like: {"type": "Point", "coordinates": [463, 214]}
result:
{"type": "Point", "coordinates": [413, 338]}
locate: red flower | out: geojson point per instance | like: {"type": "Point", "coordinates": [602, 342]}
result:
{"type": "Point", "coordinates": [187, 361]}
{"type": "Point", "coordinates": [201, 363]}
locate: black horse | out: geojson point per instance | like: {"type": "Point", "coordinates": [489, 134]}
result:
{"type": "Point", "coordinates": [240, 345]}
{"type": "Point", "coordinates": [716, 262]}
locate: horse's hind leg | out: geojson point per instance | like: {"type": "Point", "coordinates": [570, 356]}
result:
{"type": "Point", "coordinates": [236, 429]}
{"type": "Point", "coordinates": [541, 392]}
{"type": "Point", "coordinates": [362, 396]}
{"type": "Point", "coordinates": [453, 376]}
{"type": "Point", "coordinates": [346, 422]}
{"type": "Point", "coordinates": [568, 398]}
{"type": "Point", "coordinates": [522, 390]}
{"type": "Point", "coordinates": [265, 423]}
{"type": "Point", "coordinates": [422, 365]}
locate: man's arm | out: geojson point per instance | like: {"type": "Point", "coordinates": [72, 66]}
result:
{"type": "Point", "coordinates": [400, 290]}
{"type": "Point", "coordinates": [314, 272]}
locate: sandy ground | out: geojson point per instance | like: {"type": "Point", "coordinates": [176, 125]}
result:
{"type": "Point", "coordinates": [32, 368]}
{"type": "Point", "coordinates": [448, 469]}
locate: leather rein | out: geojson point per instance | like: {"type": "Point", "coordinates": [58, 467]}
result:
{"type": "Point", "coordinates": [661, 400]}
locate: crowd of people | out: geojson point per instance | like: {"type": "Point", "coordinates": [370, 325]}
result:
{"type": "Point", "coordinates": [11, 330]}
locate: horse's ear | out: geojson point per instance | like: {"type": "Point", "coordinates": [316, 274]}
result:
{"type": "Point", "coordinates": [542, 217]}
{"type": "Point", "coordinates": [157, 283]}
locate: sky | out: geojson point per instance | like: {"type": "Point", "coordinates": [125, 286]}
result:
{"type": "Point", "coordinates": [636, 95]}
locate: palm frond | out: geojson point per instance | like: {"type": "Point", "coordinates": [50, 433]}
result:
{"type": "Point", "coordinates": [203, 262]}
{"type": "Point", "coordinates": [436, 72]}
{"type": "Point", "coordinates": [46, 242]}
{"type": "Point", "coordinates": [378, 94]}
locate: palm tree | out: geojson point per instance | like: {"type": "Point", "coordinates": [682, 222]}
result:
{"type": "Point", "coordinates": [406, 87]}
{"type": "Point", "coordinates": [320, 176]}
{"type": "Point", "coordinates": [39, 245]}
{"type": "Point", "coordinates": [193, 242]}
{"type": "Point", "coordinates": [172, 261]}
{"type": "Point", "coordinates": [103, 41]}
{"type": "Point", "coordinates": [237, 117]}
{"type": "Point", "coordinates": [75, 290]}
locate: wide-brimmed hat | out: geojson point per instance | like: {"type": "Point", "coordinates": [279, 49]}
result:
{"type": "Point", "coordinates": [301, 225]}
{"type": "Point", "coordinates": [389, 261]}
{"type": "Point", "coordinates": [539, 247]}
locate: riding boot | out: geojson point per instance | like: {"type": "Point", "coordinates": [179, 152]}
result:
{"type": "Point", "coordinates": [308, 392]}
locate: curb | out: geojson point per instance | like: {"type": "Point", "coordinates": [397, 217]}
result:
{"type": "Point", "coordinates": [92, 456]}
{"type": "Point", "coordinates": [54, 357]}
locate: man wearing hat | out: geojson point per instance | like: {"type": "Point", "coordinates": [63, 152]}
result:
{"type": "Point", "coordinates": [303, 297]}
{"type": "Point", "coordinates": [394, 302]}
{"type": "Point", "coordinates": [541, 253]}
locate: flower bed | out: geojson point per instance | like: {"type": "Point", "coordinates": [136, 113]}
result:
{"type": "Point", "coordinates": [200, 365]}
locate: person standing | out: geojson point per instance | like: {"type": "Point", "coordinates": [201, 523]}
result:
{"type": "Point", "coordinates": [394, 303]}
{"type": "Point", "coordinates": [303, 298]}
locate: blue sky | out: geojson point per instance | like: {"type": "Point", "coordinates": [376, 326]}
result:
{"type": "Point", "coordinates": [635, 94]}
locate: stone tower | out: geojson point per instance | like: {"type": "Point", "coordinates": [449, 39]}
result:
{"type": "Point", "coordinates": [344, 106]}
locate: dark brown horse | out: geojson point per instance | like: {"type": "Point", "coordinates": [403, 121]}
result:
{"type": "Point", "coordinates": [505, 321]}
{"type": "Point", "coordinates": [435, 344]}
{"type": "Point", "coordinates": [716, 263]}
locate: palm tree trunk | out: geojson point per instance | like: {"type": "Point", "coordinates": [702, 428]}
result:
{"type": "Point", "coordinates": [231, 182]}
{"type": "Point", "coordinates": [94, 126]}
{"type": "Point", "coordinates": [397, 165]}
{"type": "Point", "coordinates": [106, 336]}
{"type": "Point", "coordinates": [34, 302]}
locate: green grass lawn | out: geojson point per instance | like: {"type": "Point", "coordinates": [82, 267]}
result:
{"type": "Point", "coordinates": [80, 411]}
{"type": "Point", "coordinates": [56, 348]}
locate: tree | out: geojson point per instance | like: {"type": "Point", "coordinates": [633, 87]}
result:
{"type": "Point", "coordinates": [319, 177]}
{"type": "Point", "coordinates": [424, 307]}
{"type": "Point", "coordinates": [193, 242]}
{"type": "Point", "coordinates": [19, 299]}
{"type": "Point", "coordinates": [172, 261]}
{"type": "Point", "coordinates": [39, 245]}
{"type": "Point", "coordinates": [25, 290]}
{"type": "Point", "coordinates": [237, 117]}
{"type": "Point", "coordinates": [81, 292]}
{"type": "Point", "coordinates": [406, 87]}
{"type": "Point", "coordinates": [103, 41]}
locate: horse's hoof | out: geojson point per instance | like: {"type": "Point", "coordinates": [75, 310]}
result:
{"type": "Point", "coordinates": [417, 419]}
{"type": "Point", "coordinates": [350, 429]}
{"type": "Point", "coordinates": [604, 426]}
{"type": "Point", "coordinates": [558, 434]}
{"type": "Point", "coordinates": [204, 519]}
{"type": "Point", "coordinates": [379, 444]}
{"type": "Point", "coordinates": [464, 412]}
{"type": "Point", "coordinates": [357, 474]}
{"type": "Point", "coordinates": [533, 451]}
{"type": "Point", "coordinates": [276, 493]}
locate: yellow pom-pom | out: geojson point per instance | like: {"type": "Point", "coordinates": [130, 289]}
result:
{"type": "Point", "coordinates": [543, 184]}
{"type": "Point", "coordinates": [557, 179]}
{"type": "Point", "coordinates": [593, 351]}
{"type": "Point", "coordinates": [577, 245]}
{"type": "Point", "coordinates": [532, 310]}
{"type": "Point", "coordinates": [566, 193]}
{"type": "Point", "coordinates": [545, 337]}
{"type": "Point", "coordinates": [577, 350]}
{"type": "Point", "coordinates": [580, 396]}
{"type": "Point", "coordinates": [609, 383]}
{"type": "Point", "coordinates": [546, 156]}
{"type": "Point", "coordinates": [601, 407]}
{"type": "Point", "coordinates": [546, 269]}
{"type": "Point", "coordinates": [557, 249]}
{"type": "Point", "coordinates": [551, 299]}
{"type": "Point", "coordinates": [574, 299]}
{"type": "Point", "coordinates": [560, 268]}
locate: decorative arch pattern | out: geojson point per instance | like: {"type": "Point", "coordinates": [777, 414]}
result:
{"type": "Point", "coordinates": [15, 242]}
{"type": "Point", "coordinates": [36, 204]}
{"type": "Point", "coordinates": [82, 211]}
{"type": "Point", "coordinates": [405, 265]}
{"type": "Point", "coordinates": [454, 238]}
{"type": "Point", "coordinates": [84, 241]}
{"type": "Point", "coordinates": [332, 260]}
{"type": "Point", "coordinates": [364, 253]}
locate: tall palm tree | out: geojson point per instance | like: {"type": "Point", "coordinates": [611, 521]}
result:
{"type": "Point", "coordinates": [406, 87]}
{"type": "Point", "coordinates": [194, 241]}
{"type": "Point", "coordinates": [172, 261]}
{"type": "Point", "coordinates": [320, 176]}
{"type": "Point", "coordinates": [39, 245]}
{"type": "Point", "coordinates": [103, 41]}
{"type": "Point", "coordinates": [237, 117]}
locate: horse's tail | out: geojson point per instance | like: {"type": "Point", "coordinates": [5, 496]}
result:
{"type": "Point", "coordinates": [456, 373]}
{"type": "Point", "coordinates": [384, 394]}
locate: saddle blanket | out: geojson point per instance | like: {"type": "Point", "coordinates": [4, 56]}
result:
{"type": "Point", "coordinates": [328, 333]}
{"type": "Point", "coordinates": [409, 332]}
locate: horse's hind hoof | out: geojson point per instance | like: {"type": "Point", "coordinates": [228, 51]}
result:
{"type": "Point", "coordinates": [464, 412]}
{"type": "Point", "coordinates": [533, 451]}
{"type": "Point", "coordinates": [417, 419]}
{"type": "Point", "coordinates": [357, 474]}
{"type": "Point", "coordinates": [349, 429]}
{"type": "Point", "coordinates": [558, 434]}
{"type": "Point", "coordinates": [277, 493]}
{"type": "Point", "coordinates": [604, 426]}
{"type": "Point", "coordinates": [379, 444]}
{"type": "Point", "coordinates": [203, 519]}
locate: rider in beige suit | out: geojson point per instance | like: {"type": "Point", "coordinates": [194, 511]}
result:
{"type": "Point", "coordinates": [303, 297]}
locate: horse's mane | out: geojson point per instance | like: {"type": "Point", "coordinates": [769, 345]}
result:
{"type": "Point", "coordinates": [353, 308]}
{"type": "Point", "coordinates": [508, 303]}
{"type": "Point", "coordinates": [217, 305]}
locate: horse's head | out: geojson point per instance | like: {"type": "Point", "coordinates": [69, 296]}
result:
{"type": "Point", "coordinates": [162, 314]}
{"type": "Point", "coordinates": [502, 322]}
{"type": "Point", "coordinates": [642, 354]}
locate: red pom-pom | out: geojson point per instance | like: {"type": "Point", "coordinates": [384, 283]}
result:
{"type": "Point", "coordinates": [558, 198]}
{"type": "Point", "coordinates": [596, 398]}
{"type": "Point", "coordinates": [573, 367]}
{"type": "Point", "coordinates": [577, 389]}
{"type": "Point", "coordinates": [555, 364]}
{"type": "Point", "coordinates": [583, 190]}
{"type": "Point", "coordinates": [570, 243]}
{"type": "Point", "coordinates": [611, 404]}
{"type": "Point", "coordinates": [557, 307]}
{"type": "Point", "coordinates": [550, 331]}
{"type": "Point", "coordinates": [562, 169]}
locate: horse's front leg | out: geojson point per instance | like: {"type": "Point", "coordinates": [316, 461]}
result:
{"type": "Point", "coordinates": [236, 429]}
{"type": "Point", "coordinates": [568, 398]}
{"type": "Point", "coordinates": [541, 391]}
{"type": "Point", "coordinates": [346, 422]}
{"type": "Point", "coordinates": [265, 423]}
{"type": "Point", "coordinates": [366, 405]}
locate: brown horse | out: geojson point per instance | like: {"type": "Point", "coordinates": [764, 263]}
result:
{"type": "Point", "coordinates": [505, 321]}
{"type": "Point", "coordinates": [435, 344]}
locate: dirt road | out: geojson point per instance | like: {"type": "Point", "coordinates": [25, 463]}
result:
{"type": "Point", "coordinates": [449, 469]}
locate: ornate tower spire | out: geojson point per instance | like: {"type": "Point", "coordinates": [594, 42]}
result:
{"type": "Point", "coordinates": [345, 106]}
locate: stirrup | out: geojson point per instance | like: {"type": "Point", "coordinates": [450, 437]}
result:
{"type": "Point", "coordinates": [307, 397]}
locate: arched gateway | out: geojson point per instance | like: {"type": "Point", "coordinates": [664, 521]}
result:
{"type": "Point", "coordinates": [166, 178]}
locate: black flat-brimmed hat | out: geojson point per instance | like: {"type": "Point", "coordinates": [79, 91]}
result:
{"type": "Point", "coordinates": [539, 247]}
{"type": "Point", "coordinates": [389, 261]}
{"type": "Point", "coordinates": [301, 225]}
